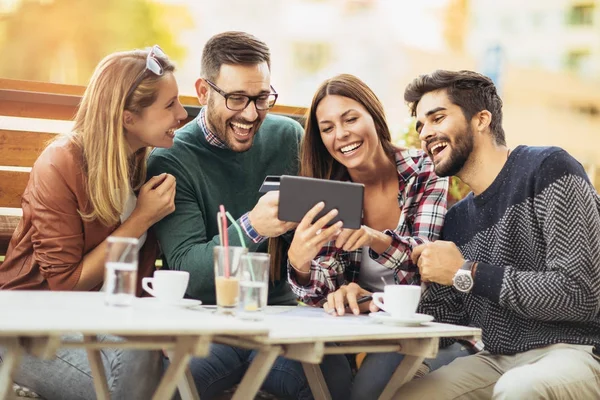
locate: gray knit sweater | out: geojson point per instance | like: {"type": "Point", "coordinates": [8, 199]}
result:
{"type": "Point", "coordinates": [536, 235]}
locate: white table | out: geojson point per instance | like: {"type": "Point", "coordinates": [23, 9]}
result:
{"type": "Point", "coordinates": [35, 322]}
{"type": "Point", "coordinates": [307, 334]}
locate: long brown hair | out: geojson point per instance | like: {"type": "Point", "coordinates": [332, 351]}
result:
{"type": "Point", "coordinates": [315, 160]}
{"type": "Point", "coordinates": [110, 167]}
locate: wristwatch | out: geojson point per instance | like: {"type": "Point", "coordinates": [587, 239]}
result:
{"type": "Point", "coordinates": [463, 280]}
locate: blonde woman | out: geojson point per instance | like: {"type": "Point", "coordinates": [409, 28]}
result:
{"type": "Point", "coordinates": [81, 190]}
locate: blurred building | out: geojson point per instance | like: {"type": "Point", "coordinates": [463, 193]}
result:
{"type": "Point", "coordinates": [549, 68]}
{"type": "Point", "coordinates": [543, 54]}
{"type": "Point", "coordinates": [384, 42]}
{"type": "Point", "coordinates": [555, 35]}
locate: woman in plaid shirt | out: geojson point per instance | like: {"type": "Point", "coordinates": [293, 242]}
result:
{"type": "Point", "coordinates": [347, 138]}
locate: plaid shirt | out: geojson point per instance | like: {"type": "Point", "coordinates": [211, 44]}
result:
{"type": "Point", "coordinates": [211, 138]}
{"type": "Point", "coordinates": [422, 199]}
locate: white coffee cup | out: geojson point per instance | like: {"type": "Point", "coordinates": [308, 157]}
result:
{"type": "Point", "coordinates": [400, 301]}
{"type": "Point", "coordinates": [168, 286]}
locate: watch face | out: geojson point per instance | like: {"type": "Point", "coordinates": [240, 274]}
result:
{"type": "Point", "coordinates": [463, 282]}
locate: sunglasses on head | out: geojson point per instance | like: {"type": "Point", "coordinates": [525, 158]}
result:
{"type": "Point", "coordinates": [152, 64]}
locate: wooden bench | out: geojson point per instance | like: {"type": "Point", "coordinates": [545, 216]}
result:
{"type": "Point", "coordinates": [20, 148]}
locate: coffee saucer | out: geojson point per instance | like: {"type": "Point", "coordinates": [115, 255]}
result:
{"type": "Point", "coordinates": [184, 303]}
{"type": "Point", "coordinates": [415, 320]}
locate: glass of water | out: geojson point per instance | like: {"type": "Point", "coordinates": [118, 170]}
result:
{"type": "Point", "coordinates": [120, 277]}
{"type": "Point", "coordinates": [253, 276]}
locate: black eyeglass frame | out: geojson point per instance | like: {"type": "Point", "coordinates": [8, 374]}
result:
{"type": "Point", "coordinates": [250, 98]}
{"type": "Point", "coordinates": [153, 65]}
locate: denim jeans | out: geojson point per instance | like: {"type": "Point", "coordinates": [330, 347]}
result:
{"type": "Point", "coordinates": [225, 367]}
{"type": "Point", "coordinates": [377, 369]}
{"type": "Point", "coordinates": [131, 374]}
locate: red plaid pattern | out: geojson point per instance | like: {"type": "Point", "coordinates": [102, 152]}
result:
{"type": "Point", "coordinates": [210, 137]}
{"type": "Point", "coordinates": [422, 198]}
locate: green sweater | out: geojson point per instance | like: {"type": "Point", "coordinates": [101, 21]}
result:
{"type": "Point", "coordinates": [208, 176]}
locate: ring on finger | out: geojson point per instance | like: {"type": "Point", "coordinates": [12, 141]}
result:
{"type": "Point", "coordinates": [318, 232]}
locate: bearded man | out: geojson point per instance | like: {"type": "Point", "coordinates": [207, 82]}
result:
{"type": "Point", "coordinates": [519, 256]}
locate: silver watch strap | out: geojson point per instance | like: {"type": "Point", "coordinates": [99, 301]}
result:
{"type": "Point", "coordinates": [468, 265]}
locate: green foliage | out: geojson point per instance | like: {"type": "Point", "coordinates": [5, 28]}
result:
{"type": "Point", "coordinates": [457, 190]}
{"type": "Point", "coordinates": [63, 40]}
{"type": "Point", "coordinates": [411, 136]}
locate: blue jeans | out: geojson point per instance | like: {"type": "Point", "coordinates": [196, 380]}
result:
{"type": "Point", "coordinates": [226, 365]}
{"type": "Point", "coordinates": [377, 369]}
{"type": "Point", "coordinates": [130, 374]}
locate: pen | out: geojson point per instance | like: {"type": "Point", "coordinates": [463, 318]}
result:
{"type": "Point", "coordinates": [363, 299]}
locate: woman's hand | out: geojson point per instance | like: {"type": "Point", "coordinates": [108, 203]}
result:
{"type": "Point", "coordinates": [310, 237]}
{"type": "Point", "coordinates": [352, 239]}
{"type": "Point", "coordinates": [346, 297]}
{"type": "Point", "coordinates": [156, 199]}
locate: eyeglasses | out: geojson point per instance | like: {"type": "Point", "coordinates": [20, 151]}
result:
{"type": "Point", "coordinates": [239, 102]}
{"type": "Point", "coordinates": [152, 64]}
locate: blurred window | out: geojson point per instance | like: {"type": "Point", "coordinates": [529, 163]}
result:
{"type": "Point", "coordinates": [582, 14]}
{"type": "Point", "coordinates": [576, 60]}
{"type": "Point", "coordinates": [311, 57]}
{"type": "Point", "coordinates": [538, 19]}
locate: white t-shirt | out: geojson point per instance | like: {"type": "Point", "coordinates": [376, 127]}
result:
{"type": "Point", "coordinates": [127, 210]}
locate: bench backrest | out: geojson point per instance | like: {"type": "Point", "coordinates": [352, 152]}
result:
{"type": "Point", "coordinates": [20, 148]}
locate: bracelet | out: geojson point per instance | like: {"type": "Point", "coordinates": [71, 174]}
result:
{"type": "Point", "coordinates": [297, 270]}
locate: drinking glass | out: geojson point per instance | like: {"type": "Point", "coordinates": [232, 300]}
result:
{"type": "Point", "coordinates": [120, 278]}
{"type": "Point", "coordinates": [227, 287]}
{"type": "Point", "coordinates": [253, 276]}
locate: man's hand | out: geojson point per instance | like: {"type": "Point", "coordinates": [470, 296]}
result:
{"type": "Point", "coordinates": [263, 216]}
{"type": "Point", "coordinates": [438, 261]}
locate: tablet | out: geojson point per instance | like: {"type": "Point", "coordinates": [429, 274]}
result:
{"type": "Point", "coordinates": [297, 195]}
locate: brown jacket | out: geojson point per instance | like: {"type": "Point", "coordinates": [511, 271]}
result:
{"type": "Point", "coordinates": [47, 248]}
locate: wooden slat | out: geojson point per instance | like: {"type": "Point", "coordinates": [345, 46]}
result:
{"type": "Point", "coordinates": [22, 148]}
{"type": "Point", "coordinates": [46, 87]}
{"type": "Point", "coordinates": [290, 110]}
{"type": "Point", "coordinates": [38, 105]}
{"type": "Point", "coordinates": [12, 186]}
{"type": "Point", "coordinates": [191, 101]}
{"type": "Point", "coordinates": [29, 110]}
{"type": "Point", "coordinates": [8, 224]}
{"type": "Point", "coordinates": [40, 98]}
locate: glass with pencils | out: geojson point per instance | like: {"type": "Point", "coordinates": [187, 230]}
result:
{"type": "Point", "coordinates": [227, 261]}
{"type": "Point", "coordinates": [227, 284]}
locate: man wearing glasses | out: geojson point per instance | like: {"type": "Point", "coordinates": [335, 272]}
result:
{"type": "Point", "coordinates": [222, 157]}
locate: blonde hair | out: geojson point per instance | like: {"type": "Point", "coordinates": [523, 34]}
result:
{"type": "Point", "coordinates": [110, 167]}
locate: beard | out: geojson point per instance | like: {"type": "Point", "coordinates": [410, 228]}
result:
{"type": "Point", "coordinates": [460, 151]}
{"type": "Point", "coordinates": [220, 128]}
